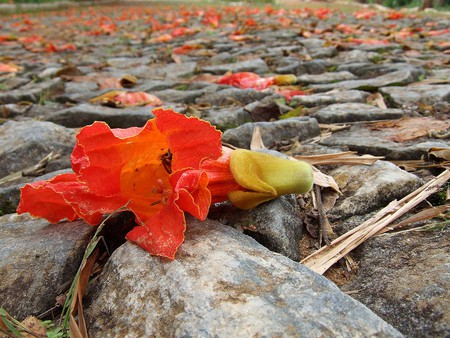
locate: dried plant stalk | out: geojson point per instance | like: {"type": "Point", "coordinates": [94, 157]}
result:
{"type": "Point", "coordinates": [348, 157]}
{"type": "Point", "coordinates": [325, 257]}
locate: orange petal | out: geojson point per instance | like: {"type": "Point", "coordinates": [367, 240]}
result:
{"type": "Point", "coordinates": [44, 199]}
{"type": "Point", "coordinates": [190, 140]}
{"type": "Point", "coordinates": [193, 194]}
{"type": "Point", "coordinates": [162, 234]}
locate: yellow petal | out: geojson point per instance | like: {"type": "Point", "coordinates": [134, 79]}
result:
{"type": "Point", "coordinates": [267, 176]}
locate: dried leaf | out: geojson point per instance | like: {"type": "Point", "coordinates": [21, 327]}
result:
{"type": "Point", "coordinates": [348, 157]}
{"type": "Point", "coordinates": [117, 98]}
{"type": "Point", "coordinates": [410, 128]}
{"type": "Point", "coordinates": [439, 154]}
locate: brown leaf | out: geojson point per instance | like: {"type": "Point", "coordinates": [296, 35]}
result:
{"type": "Point", "coordinates": [410, 128]}
{"type": "Point", "coordinates": [439, 154]}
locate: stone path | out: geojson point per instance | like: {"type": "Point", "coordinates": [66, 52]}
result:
{"type": "Point", "coordinates": [374, 83]}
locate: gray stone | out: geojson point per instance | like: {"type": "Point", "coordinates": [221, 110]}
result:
{"type": "Point", "coordinates": [333, 96]}
{"type": "Point", "coordinates": [376, 70]}
{"type": "Point", "coordinates": [415, 94]}
{"type": "Point", "coordinates": [376, 142]}
{"type": "Point", "coordinates": [355, 56]}
{"type": "Point", "coordinates": [326, 77]}
{"type": "Point", "coordinates": [367, 188]}
{"type": "Point", "coordinates": [275, 224]}
{"type": "Point", "coordinates": [222, 283]}
{"type": "Point", "coordinates": [36, 259]}
{"type": "Point", "coordinates": [256, 66]}
{"type": "Point", "coordinates": [301, 128]}
{"type": "Point", "coordinates": [182, 96]}
{"type": "Point", "coordinates": [322, 52]}
{"type": "Point", "coordinates": [23, 144]}
{"type": "Point", "coordinates": [226, 118]}
{"type": "Point", "coordinates": [232, 96]}
{"type": "Point", "coordinates": [404, 278]}
{"type": "Point", "coordinates": [352, 112]}
{"type": "Point", "coordinates": [401, 77]}
{"type": "Point", "coordinates": [84, 114]}
{"type": "Point", "coordinates": [32, 92]}
{"type": "Point", "coordinates": [291, 65]}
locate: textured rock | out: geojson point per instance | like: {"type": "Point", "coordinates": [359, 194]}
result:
{"type": "Point", "coordinates": [23, 144]}
{"type": "Point", "coordinates": [32, 92]}
{"type": "Point", "coordinates": [366, 188]}
{"type": "Point", "coordinates": [299, 127]}
{"type": "Point", "coordinates": [232, 96]}
{"type": "Point", "coordinates": [36, 259]}
{"type": "Point", "coordinates": [404, 278]}
{"type": "Point", "coordinates": [411, 95]}
{"type": "Point", "coordinates": [85, 114]}
{"type": "Point", "coordinates": [351, 112]}
{"type": "Point", "coordinates": [397, 78]}
{"type": "Point", "coordinates": [376, 142]}
{"type": "Point", "coordinates": [333, 96]}
{"type": "Point", "coordinates": [226, 118]}
{"type": "Point", "coordinates": [275, 224]}
{"type": "Point", "coordinates": [326, 77]}
{"type": "Point", "coordinates": [256, 66]}
{"type": "Point", "coordinates": [224, 284]}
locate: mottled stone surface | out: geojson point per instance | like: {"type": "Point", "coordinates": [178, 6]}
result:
{"type": "Point", "coordinates": [222, 283]}
{"type": "Point", "coordinates": [36, 259]}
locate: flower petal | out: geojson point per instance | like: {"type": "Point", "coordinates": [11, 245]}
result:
{"type": "Point", "coordinates": [162, 234]}
{"type": "Point", "coordinates": [44, 199]}
{"type": "Point", "coordinates": [101, 154]}
{"type": "Point", "coordinates": [190, 140]}
{"type": "Point", "coordinates": [193, 194]}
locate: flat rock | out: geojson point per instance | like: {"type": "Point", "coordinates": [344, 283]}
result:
{"type": "Point", "coordinates": [23, 144]}
{"type": "Point", "coordinates": [37, 258]}
{"type": "Point", "coordinates": [299, 127]}
{"type": "Point", "coordinates": [404, 279]}
{"type": "Point", "coordinates": [326, 77]}
{"type": "Point", "coordinates": [377, 142]}
{"type": "Point", "coordinates": [416, 94]}
{"type": "Point", "coordinates": [333, 96]}
{"type": "Point", "coordinates": [397, 78]}
{"type": "Point", "coordinates": [367, 188]}
{"type": "Point", "coordinates": [85, 114]}
{"type": "Point", "coordinates": [355, 56]}
{"type": "Point", "coordinates": [353, 112]}
{"type": "Point", "coordinates": [258, 66]}
{"type": "Point", "coordinates": [232, 96]}
{"type": "Point", "coordinates": [226, 118]}
{"type": "Point", "coordinates": [275, 224]}
{"type": "Point", "coordinates": [223, 284]}
{"type": "Point", "coordinates": [32, 92]}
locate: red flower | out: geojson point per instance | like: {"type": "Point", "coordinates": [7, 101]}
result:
{"type": "Point", "coordinates": [155, 169]}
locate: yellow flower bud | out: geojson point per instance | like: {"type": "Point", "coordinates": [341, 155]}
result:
{"type": "Point", "coordinates": [285, 80]}
{"type": "Point", "coordinates": [265, 177]}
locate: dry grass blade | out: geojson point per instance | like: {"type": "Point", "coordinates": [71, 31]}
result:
{"type": "Point", "coordinates": [78, 329]}
{"type": "Point", "coordinates": [257, 142]}
{"type": "Point", "coordinates": [348, 157]}
{"type": "Point", "coordinates": [428, 213]}
{"type": "Point", "coordinates": [325, 257]}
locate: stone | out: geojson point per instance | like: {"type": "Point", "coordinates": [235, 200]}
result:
{"type": "Point", "coordinates": [222, 283]}
{"type": "Point", "coordinates": [230, 96]}
{"type": "Point", "coordinates": [355, 56]}
{"type": "Point", "coordinates": [416, 94]}
{"type": "Point", "coordinates": [333, 96]}
{"type": "Point", "coordinates": [85, 114]}
{"type": "Point", "coordinates": [326, 77]}
{"type": "Point", "coordinates": [37, 259]}
{"type": "Point", "coordinates": [184, 96]}
{"type": "Point", "coordinates": [258, 66]}
{"type": "Point", "coordinates": [226, 118]}
{"type": "Point", "coordinates": [24, 144]}
{"type": "Point", "coordinates": [403, 277]}
{"type": "Point", "coordinates": [32, 92]}
{"type": "Point", "coordinates": [367, 188]}
{"type": "Point", "coordinates": [275, 224]}
{"type": "Point", "coordinates": [376, 142]}
{"type": "Point", "coordinates": [301, 128]}
{"type": "Point", "coordinates": [397, 78]}
{"type": "Point", "coordinates": [353, 112]}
